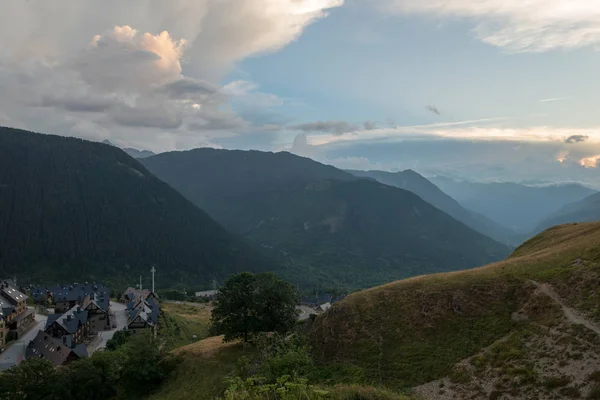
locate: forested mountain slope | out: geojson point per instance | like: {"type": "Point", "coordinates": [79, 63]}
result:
{"type": "Point", "coordinates": [421, 186]}
{"type": "Point", "coordinates": [77, 210]}
{"type": "Point", "coordinates": [339, 229]}
{"type": "Point", "coordinates": [517, 206]}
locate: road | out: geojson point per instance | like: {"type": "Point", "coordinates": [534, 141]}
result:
{"type": "Point", "coordinates": [573, 316]}
{"type": "Point", "coordinates": [305, 312]}
{"type": "Point", "coordinates": [121, 318]}
{"type": "Point", "coordinates": [16, 352]}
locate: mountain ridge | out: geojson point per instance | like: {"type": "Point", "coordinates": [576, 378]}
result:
{"type": "Point", "coordinates": [338, 227]}
{"type": "Point", "coordinates": [418, 184]}
{"type": "Point", "coordinates": [87, 210]}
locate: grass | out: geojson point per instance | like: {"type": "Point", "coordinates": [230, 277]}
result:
{"type": "Point", "coordinates": [182, 324]}
{"type": "Point", "coordinates": [413, 331]}
{"type": "Point", "coordinates": [206, 364]}
{"type": "Point", "coordinates": [202, 372]}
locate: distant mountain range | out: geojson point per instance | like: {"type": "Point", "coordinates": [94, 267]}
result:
{"type": "Point", "coordinates": [135, 153]}
{"type": "Point", "coordinates": [79, 210]}
{"type": "Point", "coordinates": [516, 206]}
{"type": "Point", "coordinates": [413, 182]}
{"type": "Point", "coordinates": [586, 210]}
{"type": "Point", "coordinates": [341, 229]}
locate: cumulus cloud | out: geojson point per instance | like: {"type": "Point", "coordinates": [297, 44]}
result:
{"type": "Point", "coordinates": [576, 139]}
{"type": "Point", "coordinates": [517, 25]}
{"type": "Point", "coordinates": [143, 72]}
{"type": "Point", "coordinates": [590, 162]}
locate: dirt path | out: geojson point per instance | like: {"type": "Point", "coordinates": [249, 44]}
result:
{"type": "Point", "coordinates": [572, 315]}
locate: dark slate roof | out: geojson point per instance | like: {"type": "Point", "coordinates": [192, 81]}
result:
{"type": "Point", "coordinates": [71, 320]}
{"type": "Point", "coordinates": [73, 292]}
{"type": "Point", "coordinates": [81, 351]}
{"type": "Point", "coordinates": [51, 319]}
{"type": "Point", "coordinates": [81, 315]}
{"type": "Point", "coordinates": [6, 308]}
{"type": "Point", "coordinates": [147, 310]}
{"type": "Point", "coordinates": [47, 347]}
{"type": "Point", "coordinates": [11, 293]}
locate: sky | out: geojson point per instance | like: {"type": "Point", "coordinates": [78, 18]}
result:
{"type": "Point", "coordinates": [489, 90]}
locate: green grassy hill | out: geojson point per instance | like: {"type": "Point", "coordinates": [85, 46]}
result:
{"type": "Point", "coordinates": [522, 327]}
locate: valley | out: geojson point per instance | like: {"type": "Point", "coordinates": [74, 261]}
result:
{"type": "Point", "coordinates": [423, 319]}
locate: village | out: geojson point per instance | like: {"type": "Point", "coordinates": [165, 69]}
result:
{"type": "Point", "coordinates": [68, 322]}
{"type": "Point", "coordinates": [64, 323]}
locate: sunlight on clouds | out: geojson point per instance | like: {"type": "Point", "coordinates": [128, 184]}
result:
{"type": "Point", "coordinates": [518, 25]}
{"type": "Point", "coordinates": [590, 162]}
{"type": "Point", "coordinates": [467, 130]}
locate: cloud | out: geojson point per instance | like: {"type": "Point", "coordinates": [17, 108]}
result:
{"type": "Point", "coordinates": [489, 129]}
{"type": "Point", "coordinates": [517, 25]}
{"type": "Point", "coordinates": [555, 99]}
{"type": "Point", "coordinates": [576, 139]}
{"type": "Point", "coordinates": [590, 162]}
{"type": "Point", "coordinates": [369, 125]}
{"type": "Point", "coordinates": [124, 60]}
{"type": "Point", "coordinates": [334, 127]}
{"type": "Point", "coordinates": [143, 74]}
{"type": "Point", "coordinates": [433, 110]}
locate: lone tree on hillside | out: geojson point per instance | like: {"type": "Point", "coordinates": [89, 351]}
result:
{"type": "Point", "coordinates": [250, 304]}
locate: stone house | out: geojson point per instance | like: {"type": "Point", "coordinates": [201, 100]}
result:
{"type": "Point", "coordinates": [16, 316]}
{"type": "Point", "coordinates": [72, 327]}
{"type": "Point", "coordinates": [57, 351]}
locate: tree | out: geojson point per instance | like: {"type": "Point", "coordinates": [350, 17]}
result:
{"type": "Point", "coordinates": [145, 365]}
{"type": "Point", "coordinates": [33, 379]}
{"type": "Point", "coordinates": [118, 340]}
{"type": "Point", "coordinates": [250, 304]}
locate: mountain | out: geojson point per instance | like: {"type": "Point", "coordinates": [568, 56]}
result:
{"type": "Point", "coordinates": [527, 327]}
{"type": "Point", "coordinates": [341, 230]}
{"type": "Point", "coordinates": [79, 210]}
{"type": "Point", "coordinates": [517, 206]}
{"type": "Point", "coordinates": [135, 153]}
{"type": "Point", "coordinates": [416, 183]}
{"type": "Point", "coordinates": [586, 210]}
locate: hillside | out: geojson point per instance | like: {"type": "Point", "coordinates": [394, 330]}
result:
{"type": "Point", "coordinates": [516, 206]}
{"type": "Point", "coordinates": [527, 327]}
{"type": "Point", "coordinates": [73, 209]}
{"type": "Point", "coordinates": [416, 183]}
{"type": "Point", "coordinates": [586, 210]}
{"type": "Point", "coordinates": [337, 229]}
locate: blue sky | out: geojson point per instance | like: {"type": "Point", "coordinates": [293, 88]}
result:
{"type": "Point", "coordinates": [487, 90]}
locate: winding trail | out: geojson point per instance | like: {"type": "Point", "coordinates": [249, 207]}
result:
{"type": "Point", "coordinates": [571, 315]}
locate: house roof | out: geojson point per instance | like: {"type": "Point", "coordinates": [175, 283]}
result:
{"type": "Point", "coordinates": [11, 293]}
{"type": "Point", "coordinates": [148, 310]}
{"type": "Point", "coordinates": [47, 347]}
{"type": "Point", "coordinates": [6, 308]}
{"type": "Point", "coordinates": [74, 292]}
{"type": "Point", "coordinates": [69, 321]}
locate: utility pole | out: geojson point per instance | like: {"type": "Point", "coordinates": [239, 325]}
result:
{"type": "Point", "coordinates": [153, 270]}
{"type": "Point", "coordinates": [140, 282]}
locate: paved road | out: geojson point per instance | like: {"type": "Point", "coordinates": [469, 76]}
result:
{"type": "Point", "coordinates": [305, 312]}
{"type": "Point", "coordinates": [16, 352]}
{"type": "Point", "coordinates": [121, 318]}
